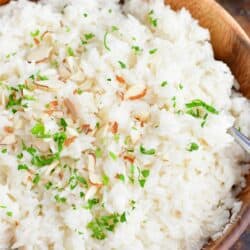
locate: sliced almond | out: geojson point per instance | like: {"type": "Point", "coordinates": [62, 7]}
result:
{"type": "Point", "coordinates": [39, 54]}
{"type": "Point", "coordinates": [43, 87]}
{"type": "Point", "coordinates": [91, 192]}
{"type": "Point", "coordinates": [64, 72]}
{"type": "Point", "coordinates": [85, 128]}
{"type": "Point", "coordinates": [41, 145]}
{"type": "Point", "coordinates": [8, 140]}
{"type": "Point", "coordinates": [71, 108]}
{"type": "Point", "coordinates": [69, 141]}
{"type": "Point", "coordinates": [47, 37]}
{"type": "Point", "coordinates": [78, 77]}
{"type": "Point", "coordinates": [93, 177]}
{"type": "Point", "coordinates": [135, 92]}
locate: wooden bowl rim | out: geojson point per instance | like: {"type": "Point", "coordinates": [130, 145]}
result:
{"type": "Point", "coordinates": [232, 234]}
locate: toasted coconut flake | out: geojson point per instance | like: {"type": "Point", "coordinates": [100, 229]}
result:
{"type": "Point", "coordinates": [120, 79]}
{"type": "Point", "coordinates": [36, 41]}
{"type": "Point", "coordinates": [8, 140]}
{"type": "Point", "coordinates": [129, 158]}
{"type": "Point", "coordinates": [69, 141]}
{"type": "Point", "coordinates": [39, 54]}
{"type": "Point", "coordinates": [8, 129]}
{"type": "Point", "coordinates": [93, 177]}
{"type": "Point", "coordinates": [85, 128]}
{"type": "Point", "coordinates": [71, 108]}
{"type": "Point", "coordinates": [135, 92]}
{"type": "Point", "coordinates": [114, 127]}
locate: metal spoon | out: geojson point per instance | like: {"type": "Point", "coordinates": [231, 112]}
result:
{"type": "Point", "coordinates": [241, 139]}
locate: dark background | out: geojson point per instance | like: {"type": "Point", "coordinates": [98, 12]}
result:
{"type": "Point", "coordinates": [240, 9]}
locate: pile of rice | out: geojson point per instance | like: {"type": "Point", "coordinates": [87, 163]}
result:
{"type": "Point", "coordinates": [114, 128]}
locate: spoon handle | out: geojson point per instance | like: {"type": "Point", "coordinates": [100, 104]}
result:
{"type": "Point", "coordinates": [241, 139]}
{"type": "Point", "coordinates": [230, 42]}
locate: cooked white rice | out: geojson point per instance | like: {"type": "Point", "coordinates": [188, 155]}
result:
{"type": "Point", "coordinates": [114, 128]}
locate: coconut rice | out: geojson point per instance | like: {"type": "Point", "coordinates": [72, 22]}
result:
{"type": "Point", "coordinates": [114, 128]}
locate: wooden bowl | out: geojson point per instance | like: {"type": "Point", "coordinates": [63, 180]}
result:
{"type": "Point", "coordinates": [231, 45]}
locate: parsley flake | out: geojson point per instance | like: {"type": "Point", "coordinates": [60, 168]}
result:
{"type": "Point", "coordinates": [192, 147]}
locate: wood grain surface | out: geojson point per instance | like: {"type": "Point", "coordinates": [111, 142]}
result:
{"type": "Point", "coordinates": [240, 9]}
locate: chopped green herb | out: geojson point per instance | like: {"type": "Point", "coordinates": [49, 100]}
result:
{"type": "Point", "coordinates": [204, 120]}
{"type": "Point", "coordinates": [85, 14]}
{"type": "Point", "coordinates": [174, 101]}
{"type": "Point", "coordinates": [137, 50]}
{"type": "Point", "coordinates": [39, 131]}
{"type": "Point", "coordinates": [132, 204]}
{"type": "Point", "coordinates": [68, 29]}
{"type": "Point", "coordinates": [60, 199]}
{"type": "Point", "coordinates": [142, 182]}
{"type": "Point", "coordinates": [35, 33]}
{"type": "Point", "coordinates": [1, 206]}
{"type": "Point", "coordinates": [116, 138]}
{"type": "Point", "coordinates": [63, 124]}
{"type": "Point", "coordinates": [82, 194]}
{"type": "Point", "coordinates": [73, 182]}
{"type": "Point", "coordinates": [114, 28]}
{"type": "Point", "coordinates": [105, 180]}
{"type": "Point", "coordinates": [41, 77]}
{"type": "Point", "coordinates": [79, 91]}
{"type": "Point", "coordinates": [60, 138]}
{"type": "Point", "coordinates": [113, 156]}
{"type": "Point", "coordinates": [199, 103]}
{"type": "Point", "coordinates": [123, 217]}
{"type": "Point", "coordinates": [82, 181]}
{"type": "Point", "coordinates": [163, 84]}
{"type": "Point", "coordinates": [192, 147]}
{"type": "Point", "coordinates": [91, 203]}
{"type": "Point", "coordinates": [105, 41]}
{"type": "Point", "coordinates": [145, 173]}
{"type": "Point", "coordinates": [36, 179]}
{"type": "Point", "coordinates": [70, 51]}
{"type": "Point", "coordinates": [100, 225]}
{"type": "Point", "coordinates": [180, 86]}
{"type": "Point", "coordinates": [41, 161]}
{"type": "Point", "coordinates": [48, 185]}
{"type": "Point", "coordinates": [152, 20]}
{"type": "Point", "coordinates": [13, 101]}
{"type": "Point", "coordinates": [9, 213]}
{"type": "Point", "coordinates": [121, 177]}
{"type": "Point", "coordinates": [4, 151]}
{"type": "Point", "coordinates": [131, 174]}
{"type": "Point", "coordinates": [122, 65]}
{"type": "Point", "coordinates": [98, 153]}
{"type": "Point", "coordinates": [147, 151]}
{"type": "Point", "coordinates": [97, 125]}
{"type": "Point", "coordinates": [153, 51]}
{"type": "Point", "coordinates": [89, 36]}
{"type": "Point", "coordinates": [54, 64]}
{"type": "Point", "coordinates": [22, 167]}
